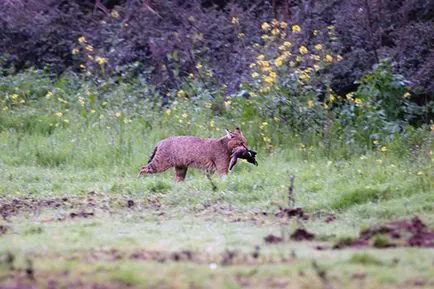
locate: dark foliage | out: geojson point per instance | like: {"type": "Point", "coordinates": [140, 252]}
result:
{"type": "Point", "coordinates": [163, 41]}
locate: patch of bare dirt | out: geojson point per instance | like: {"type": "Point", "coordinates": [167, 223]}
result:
{"type": "Point", "coordinates": [272, 239]}
{"type": "Point", "coordinates": [81, 214]}
{"type": "Point", "coordinates": [403, 232]}
{"type": "Point", "coordinates": [19, 279]}
{"type": "Point", "coordinates": [299, 213]}
{"type": "Point", "coordinates": [225, 258]}
{"type": "Point", "coordinates": [302, 235]}
{"type": "Point", "coordinates": [3, 229]}
{"type": "Point", "coordinates": [83, 205]}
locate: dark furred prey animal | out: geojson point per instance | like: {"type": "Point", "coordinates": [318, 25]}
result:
{"type": "Point", "coordinates": [209, 154]}
{"type": "Point", "coordinates": [241, 153]}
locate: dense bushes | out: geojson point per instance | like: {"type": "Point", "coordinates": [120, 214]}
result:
{"type": "Point", "coordinates": [166, 40]}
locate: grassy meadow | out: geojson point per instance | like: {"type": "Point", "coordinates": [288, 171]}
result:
{"type": "Point", "coordinates": [75, 215]}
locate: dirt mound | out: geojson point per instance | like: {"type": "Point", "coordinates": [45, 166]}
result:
{"type": "Point", "coordinates": [14, 206]}
{"type": "Point", "coordinates": [302, 235]}
{"type": "Point", "coordinates": [271, 239]}
{"type": "Point", "coordinates": [403, 232]}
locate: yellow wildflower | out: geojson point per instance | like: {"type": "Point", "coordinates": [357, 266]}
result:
{"type": "Point", "coordinates": [227, 103]}
{"type": "Point", "coordinates": [316, 67]}
{"type": "Point", "coordinates": [252, 65]}
{"type": "Point", "coordinates": [383, 149]}
{"type": "Point", "coordinates": [331, 27]}
{"type": "Point", "coordinates": [101, 116]}
{"type": "Point", "coordinates": [296, 28]}
{"type": "Point", "coordinates": [265, 63]}
{"type": "Point", "coordinates": [241, 35]}
{"type": "Point", "coordinates": [339, 57]}
{"type": "Point", "coordinates": [375, 142]}
{"type": "Point", "coordinates": [274, 22]}
{"type": "Point", "coordinates": [332, 97]}
{"type": "Point", "coordinates": [255, 74]}
{"type": "Point", "coordinates": [14, 96]}
{"type": "Point", "coordinates": [82, 66]}
{"type": "Point", "coordinates": [191, 75]}
{"type": "Point", "coordinates": [100, 60]}
{"type": "Point", "coordinates": [66, 120]}
{"type": "Point", "coordinates": [264, 36]}
{"type": "Point", "coordinates": [310, 104]}
{"type": "Point", "coordinates": [118, 114]}
{"type": "Point", "coordinates": [59, 114]}
{"type": "Point", "coordinates": [275, 31]}
{"type": "Point", "coordinates": [357, 100]}
{"type": "Point", "coordinates": [115, 14]}
{"type": "Point", "coordinates": [81, 101]}
{"type": "Point", "coordinates": [167, 112]}
{"type": "Point", "coordinates": [278, 62]}
{"type": "Point", "coordinates": [266, 139]}
{"type": "Point", "coordinates": [329, 58]}
{"type": "Point", "coordinates": [287, 43]}
{"type": "Point", "coordinates": [407, 94]}
{"type": "Point", "coordinates": [260, 57]}
{"type": "Point", "coordinates": [315, 32]}
{"type": "Point", "coordinates": [92, 111]}
{"type": "Point", "coordinates": [318, 46]}
{"type": "Point", "coordinates": [273, 74]}
{"type": "Point", "coordinates": [81, 39]}
{"type": "Point", "coordinates": [235, 20]}
{"type": "Point", "coordinates": [180, 93]}
{"type": "Point", "coordinates": [185, 115]}
{"type": "Point", "coordinates": [286, 54]}
{"type": "Point", "coordinates": [199, 66]}
{"type": "Point", "coordinates": [49, 94]}
{"type": "Point", "coordinates": [304, 76]}
{"type": "Point", "coordinates": [303, 49]}
{"type": "Point", "coordinates": [315, 57]}
{"type": "Point", "coordinates": [22, 101]}
{"type": "Point", "coordinates": [212, 123]}
{"type": "Point", "coordinates": [283, 24]}
{"type": "Point", "coordinates": [74, 51]}
{"type": "Point", "coordinates": [269, 79]}
{"type": "Point", "coordinates": [89, 48]}
{"type": "Point", "coordinates": [265, 26]}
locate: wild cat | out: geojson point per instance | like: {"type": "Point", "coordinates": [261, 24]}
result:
{"type": "Point", "coordinates": [209, 154]}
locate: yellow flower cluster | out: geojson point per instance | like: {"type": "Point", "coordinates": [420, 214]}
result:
{"type": "Point", "coordinates": [114, 14]}
{"type": "Point", "coordinates": [100, 60]}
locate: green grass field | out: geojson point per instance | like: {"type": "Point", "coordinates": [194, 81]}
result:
{"type": "Point", "coordinates": [76, 216]}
